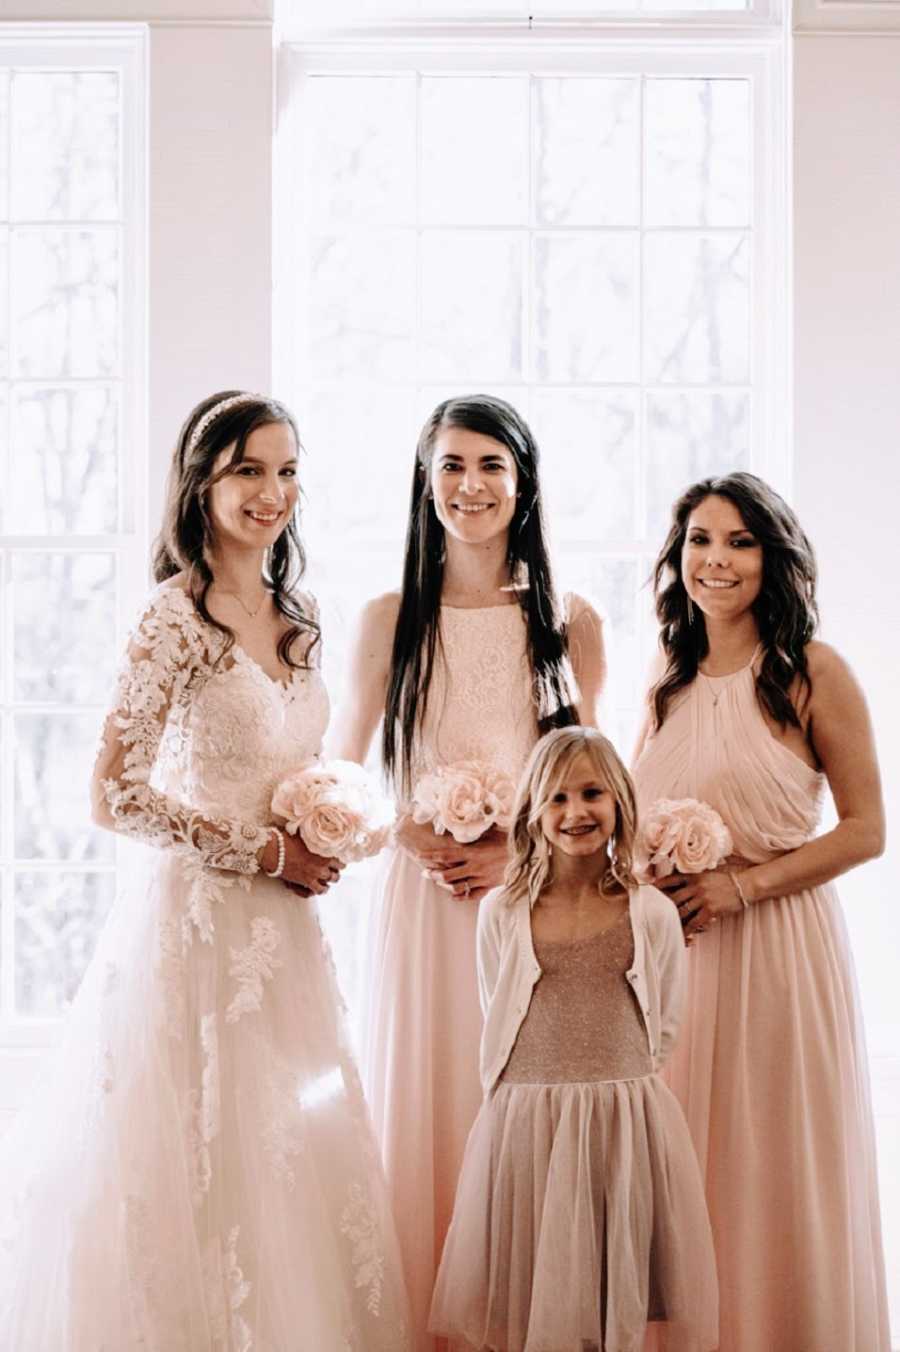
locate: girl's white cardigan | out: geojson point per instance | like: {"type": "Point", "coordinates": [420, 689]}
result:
{"type": "Point", "coordinates": [508, 972]}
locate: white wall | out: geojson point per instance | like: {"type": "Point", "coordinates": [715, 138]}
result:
{"type": "Point", "coordinates": [847, 406]}
{"type": "Point", "coordinates": [211, 111]}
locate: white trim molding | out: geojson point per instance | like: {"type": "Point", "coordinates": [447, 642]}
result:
{"type": "Point", "coordinates": [866, 18]}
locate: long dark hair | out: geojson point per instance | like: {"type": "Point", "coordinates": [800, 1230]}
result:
{"type": "Point", "coordinates": [785, 610]}
{"type": "Point", "coordinates": [418, 622]}
{"type": "Point", "coordinates": [187, 531]}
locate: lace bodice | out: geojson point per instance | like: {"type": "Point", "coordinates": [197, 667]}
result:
{"type": "Point", "coordinates": [480, 703]}
{"type": "Point", "coordinates": [193, 748]}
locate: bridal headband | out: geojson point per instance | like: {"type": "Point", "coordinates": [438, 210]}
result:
{"type": "Point", "coordinates": [233, 401]}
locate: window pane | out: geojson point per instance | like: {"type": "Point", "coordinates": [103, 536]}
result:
{"type": "Point", "coordinates": [65, 448]}
{"type": "Point", "coordinates": [65, 136]}
{"type": "Point", "coordinates": [4, 302]}
{"type": "Point", "coordinates": [361, 161]}
{"type": "Point", "coordinates": [4, 144]}
{"type": "Point", "coordinates": [471, 307]}
{"type": "Point", "coordinates": [58, 921]}
{"type": "Point", "coordinates": [64, 626]}
{"type": "Point", "coordinates": [65, 303]}
{"type": "Point", "coordinates": [586, 152]}
{"type": "Point", "coordinates": [696, 308]}
{"type": "Point", "coordinates": [362, 306]}
{"type": "Point", "coordinates": [588, 442]}
{"type": "Point", "coordinates": [690, 436]}
{"type": "Point", "coordinates": [474, 150]}
{"type": "Point", "coordinates": [586, 307]}
{"type": "Point", "coordinates": [343, 440]}
{"type": "Point", "coordinates": [697, 135]}
{"type": "Point", "coordinates": [54, 758]}
{"type": "Point", "coordinates": [612, 585]}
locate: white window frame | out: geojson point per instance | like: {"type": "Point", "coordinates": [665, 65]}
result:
{"type": "Point", "coordinates": [124, 49]}
{"type": "Point", "coordinates": [762, 59]}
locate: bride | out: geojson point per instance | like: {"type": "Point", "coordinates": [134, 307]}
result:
{"type": "Point", "coordinates": [196, 1173]}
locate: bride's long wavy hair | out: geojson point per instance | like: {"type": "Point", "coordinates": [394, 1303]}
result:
{"type": "Point", "coordinates": [417, 632]}
{"type": "Point", "coordinates": [187, 531]}
{"type": "Point", "coordinates": [530, 867]}
{"type": "Point", "coordinates": [785, 610]}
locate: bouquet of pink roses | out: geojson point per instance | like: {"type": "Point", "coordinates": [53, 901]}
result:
{"type": "Point", "coordinates": [465, 799]}
{"type": "Point", "coordinates": [680, 835]}
{"type": "Point", "coordinates": [336, 809]}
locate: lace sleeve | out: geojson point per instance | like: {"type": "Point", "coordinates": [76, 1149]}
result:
{"type": "Point", "coordinates": [166, 654]}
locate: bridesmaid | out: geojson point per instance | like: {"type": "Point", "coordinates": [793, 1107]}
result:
{"type": "Point", "coordinates": [753, 715]}
{"type": "Point", "coordinates": [470, 660]}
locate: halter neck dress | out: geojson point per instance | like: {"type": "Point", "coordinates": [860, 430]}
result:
{"type": "Point", "coordinates": [770, 1065]}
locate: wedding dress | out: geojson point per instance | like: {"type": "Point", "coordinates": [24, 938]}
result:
{"type": "Point", "coordinates": [196, 1172]}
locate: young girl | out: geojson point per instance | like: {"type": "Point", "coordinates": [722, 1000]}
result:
{"type": "Point", "coordinates": [579, 1215]}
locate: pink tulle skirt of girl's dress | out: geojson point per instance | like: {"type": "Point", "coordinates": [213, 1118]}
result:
{"type": "Point", "coordinates": [579, 1219]}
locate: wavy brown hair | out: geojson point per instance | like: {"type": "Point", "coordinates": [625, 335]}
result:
{"type": "Point", "coordinates": [785, 610]}
{"type": "Point", "coordinates": [187, 532]}
{"type": "Point", "coordinates": [530, 867]}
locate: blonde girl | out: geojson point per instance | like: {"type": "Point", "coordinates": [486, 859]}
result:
{"type": "Point", "coordinates": [579, 1216]}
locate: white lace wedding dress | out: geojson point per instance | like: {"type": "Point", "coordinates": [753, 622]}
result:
{"type": "Point", "coordinates": [197, 1171]}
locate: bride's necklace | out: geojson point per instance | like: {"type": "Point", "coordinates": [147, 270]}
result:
{"type": "Point", "coordinates": [243, 604]}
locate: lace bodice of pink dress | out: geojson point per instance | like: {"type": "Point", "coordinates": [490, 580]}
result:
{"type": "Point", "coordinates": [424, 1024]}
{"type": "Point", "coordinates": [770, 1064]}
{"type": "Point", "coordinates": [480, 704]}
{"type": "Point", "coordinates": [197, 1172]}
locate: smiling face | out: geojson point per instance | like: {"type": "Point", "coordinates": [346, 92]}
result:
{"type": "Point", "coordinates": [473, 480]}
{"type": "Point", "coordinates": [252, 503]}
{"type": "Point", "coordinates": [581, 815]}
{"type": "Point", "coordinates": [722, 561]}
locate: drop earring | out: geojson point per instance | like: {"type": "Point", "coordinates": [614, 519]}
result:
{"type": "Point", "coordinates": [690, 611]}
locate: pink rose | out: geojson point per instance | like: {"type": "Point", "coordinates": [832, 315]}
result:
{"type": "Point", "coordinates": [336, 810]}
{"type": "Point", "coordinates": [466, 799]}
{"type": "Point", "coordinates": [299, 791]}
{"type": "Point", "coordinates": [331, 829]}
{"type": "Point", "coordinates": [462, 806]}
{"type": "Point", "coordinates": [680, 836]}
{"type": "Point", "coordinates": [704, 840]}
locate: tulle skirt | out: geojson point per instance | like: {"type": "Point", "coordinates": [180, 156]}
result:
{"type": "Point", "coordinates": [196, 1172]}
{"type": "Point", "coordinates": [579, 1217]}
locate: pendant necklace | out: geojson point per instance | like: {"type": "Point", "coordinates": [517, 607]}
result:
{"type": "Point", "coordinates": [243, 604]}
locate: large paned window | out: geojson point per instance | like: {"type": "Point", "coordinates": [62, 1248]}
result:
{"type": "Point", "coordinates": [72, 542]}
{"type": "Point", "coordinates": [593, 229]}
{"type": "Point", "coordinates": [587, 232]}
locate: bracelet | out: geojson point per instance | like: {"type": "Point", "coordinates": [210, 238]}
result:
{"type": "Point", "coordinates": [737, 887]}
{"type": "Point", "coordinates": [277, 871]}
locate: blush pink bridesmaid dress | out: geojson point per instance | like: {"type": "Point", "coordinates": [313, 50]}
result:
{"type": "Point", "coordinates": [770, 1065]}
{"type": "Point", "coordinates": [424, 1019]}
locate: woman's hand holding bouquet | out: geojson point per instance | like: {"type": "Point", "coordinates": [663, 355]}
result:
{"type": "Point", "coordinates": [681, 846]}
{"type": "Point", "coordinates": [333, 815]}
{"type": "Point", "coordinates": [470, 804]}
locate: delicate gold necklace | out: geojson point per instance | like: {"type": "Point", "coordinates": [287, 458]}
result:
{"type": "Point", "coordinates": [240, 600]}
